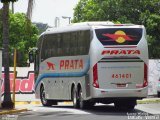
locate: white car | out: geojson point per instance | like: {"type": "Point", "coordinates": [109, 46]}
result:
{"type": "Point", "coordinates": [158, 88]}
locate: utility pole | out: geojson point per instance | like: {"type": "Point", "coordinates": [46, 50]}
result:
{"type": "Point", "coordinates": [57, 22]}
{"type": "Point", "coordinates": [66, 17]}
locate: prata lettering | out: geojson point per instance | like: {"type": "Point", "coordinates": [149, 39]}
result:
{"type": "Point", "coordinates": [71, 64]}
{"type": "Point", "coordinates": [120, 52]}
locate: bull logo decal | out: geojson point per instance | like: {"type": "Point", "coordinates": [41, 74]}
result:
{"type": "Point", "coordinates": [119, 37]}
{"type": "Point", "coordinates": [51, 66]}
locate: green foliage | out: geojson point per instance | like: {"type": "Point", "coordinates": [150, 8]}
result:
{"type": "Point", "coordinates": [41, 27]}
{"type": "Point", "coordinates": [146, 12]}
{"type": "Point", "coordinates": [22, 36]}
{"type": "Point", "coordinates": [4, 1]}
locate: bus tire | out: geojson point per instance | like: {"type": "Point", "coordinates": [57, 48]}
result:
{"type": "Point", "coordinates": [75, 98]}
{"type": "Point", "coordinates": [158, 93]}
{"type": "Point", "coordinates": [44, 101]}
{"type": "Point", "coordinates": [82, 102]}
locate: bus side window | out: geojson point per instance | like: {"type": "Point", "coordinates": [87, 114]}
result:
{"type": "Point", "coordinates": [87, 41]}
{"type": "Point", "coordinates": [66, 44]}
{"type": "Point", "coordinates": [83, 42]}
{"type": "Point", "coordinates": [60, 44]}
{"type": "Point", "coordinates": [80, 47]}
{"type": "Point", "coordinates": [52, 46]}
{"type": "Point", "coordinates": [43, 48]}
{"type": "Point", "coordinates": [73, 43]}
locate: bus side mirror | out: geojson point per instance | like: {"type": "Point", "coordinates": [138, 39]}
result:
{"type": "Point", "coordinates": [31, 57]}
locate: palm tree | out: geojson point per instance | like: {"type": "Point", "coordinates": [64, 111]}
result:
{"type": "Point", "coordinates": [12, 7]}
{"type": "Point", "coordinates": [30, 9]}
{"type": "Point", "coordinates": [7, 102]}
{"type": "Point", "coordinates": [29, 16]}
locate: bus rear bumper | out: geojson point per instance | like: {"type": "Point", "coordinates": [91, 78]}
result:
{"type": "Point", "coordinates": [118, 93]}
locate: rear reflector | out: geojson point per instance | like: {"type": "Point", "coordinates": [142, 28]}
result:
{"type": "Point", "coordinates": [145, 82]}
{"type": "Point", "coordinates": [95, 77]}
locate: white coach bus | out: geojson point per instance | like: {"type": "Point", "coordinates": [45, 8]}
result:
{"type": "Point", "coordinates": [94, 62]}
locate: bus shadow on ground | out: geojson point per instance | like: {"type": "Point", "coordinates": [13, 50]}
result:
{"type": "Point", "coordinates": [104, 110]}
{"type": "Point", "coordinates": [111, 110]}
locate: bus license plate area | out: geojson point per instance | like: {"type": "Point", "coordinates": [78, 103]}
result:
{"type": "Point", "coordinates": [121, 85]}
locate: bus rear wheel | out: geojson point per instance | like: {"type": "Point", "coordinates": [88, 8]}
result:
{"type": "Point", "coordinates": [84, 104]}
{"type": "Point", "coordinates": [158, 93]}
{"type": "Point", "coordinates": [44, 101]}
{"type": "Point", "coordinates": [75, 98]}
{"type": "Point", "coordinates": [81, 101]}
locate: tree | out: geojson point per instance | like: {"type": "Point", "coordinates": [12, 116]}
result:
{"type": "Point", "coordinates": [7, 1]}
{"type": "Point", "coordinates": [41, 27]}
{"type": "Point", "coordinates": [7, 102]}
{"type": "Point", "coordinates": [20, 38]}
{"type": "Point", "coordinates": [30, 9]}
{"type": "Point", "coordinates": [144, 12]}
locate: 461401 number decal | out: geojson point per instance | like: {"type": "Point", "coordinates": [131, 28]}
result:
{"type": "Point", "coordinates": [124, 76]}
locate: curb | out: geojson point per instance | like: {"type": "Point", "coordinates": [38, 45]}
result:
{"type": "Point", "coordinates": [148, 101]}
{"type": "Point", "coordinates": [12, 111]}
{"type": "Point", "coordinates": [27, 102]}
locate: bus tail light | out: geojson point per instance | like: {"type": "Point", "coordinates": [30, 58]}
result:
{"type": "Point", "coordinates": [95, 76]}
{"type": "Point", "coordinates": [145, 82]}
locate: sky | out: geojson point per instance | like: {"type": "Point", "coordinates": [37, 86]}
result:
{"type": "Point", "coordinates": [46, 11]}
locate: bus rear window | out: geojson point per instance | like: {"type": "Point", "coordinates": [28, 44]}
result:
{"type": "Point", "coordinates": [119, 36]}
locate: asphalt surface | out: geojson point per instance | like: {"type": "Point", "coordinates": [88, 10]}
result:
{"type": "Point", "coordinates": [99, 112]}
{"type": "Point", "coordinates": [147, 109]}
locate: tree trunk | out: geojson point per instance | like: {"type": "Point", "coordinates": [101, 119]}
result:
{"type": "Point", "coordinates": [12, 7]}
{"type": "Point", "coordinates": [30, 9]}
{"type": "Point", "coordinates": [7, 102]}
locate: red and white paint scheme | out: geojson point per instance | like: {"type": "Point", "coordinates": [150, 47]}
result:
{"type": "Point", "coordinates": [92, 62]}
